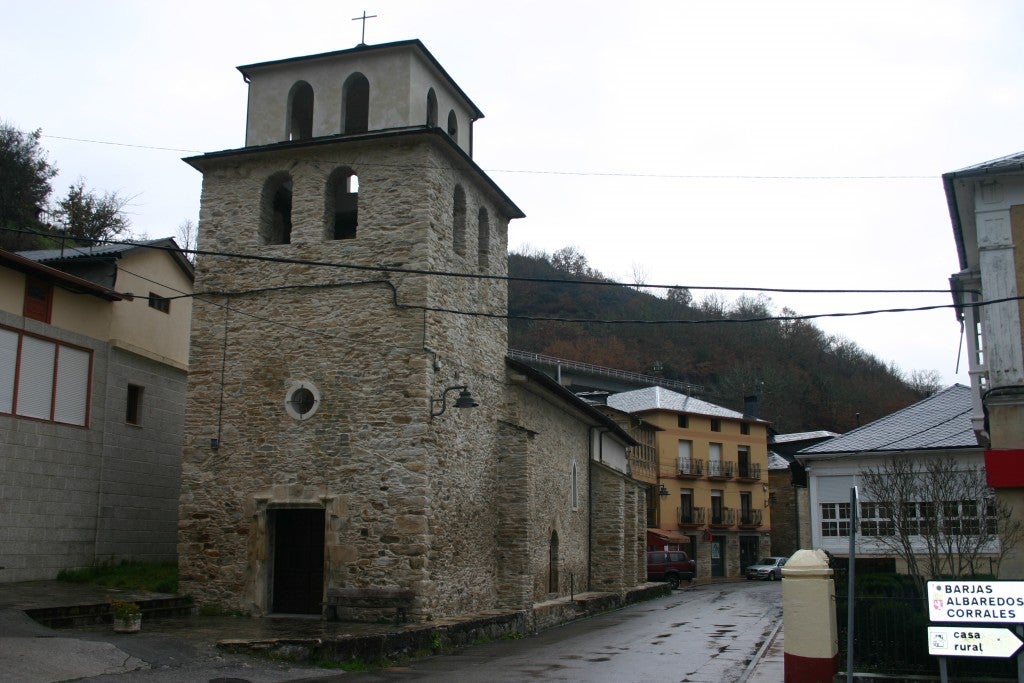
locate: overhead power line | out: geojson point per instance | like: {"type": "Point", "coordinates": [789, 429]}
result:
{"type": "Point", "coordinates": [598, 174]}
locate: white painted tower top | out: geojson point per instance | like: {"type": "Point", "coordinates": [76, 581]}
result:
{"type": "Point", "coordinates": [362, 90]}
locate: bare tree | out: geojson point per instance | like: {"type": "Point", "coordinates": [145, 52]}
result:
{"type": "Point", "coordinates": [937, 514]}
{"type": "Point", "coordinates": [641, 273]}
{"type": "Point", "coordinates": [925, 382]}
{"type": "Point", "coordinates": [188, 235]}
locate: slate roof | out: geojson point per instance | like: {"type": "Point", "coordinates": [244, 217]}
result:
{"type": "Point", "coordinates": [802, 436]}
{"type": "Point", "coordinates": [941, 421]}
{"type": "Point", "coordinates": [776, 462]}
{"type": "Point", "coordinates": [660, 398]}
{"type": "Point", "coordinates": [1007, 164]}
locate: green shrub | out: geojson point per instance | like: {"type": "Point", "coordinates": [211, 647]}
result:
{"type": "Point", "coordinates": [158, 577]}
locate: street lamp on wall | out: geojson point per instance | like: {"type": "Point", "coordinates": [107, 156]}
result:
{"type": "Point", "coordinates": [465, 400]}
{"type": "Point", "coordinates": [663, 492]}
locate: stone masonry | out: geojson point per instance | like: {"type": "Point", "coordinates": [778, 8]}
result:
{"type": "Point", "coordinates": [459, 508]}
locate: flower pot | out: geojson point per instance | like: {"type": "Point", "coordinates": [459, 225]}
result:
{"type": "Point", "coordinates": [129, 624]}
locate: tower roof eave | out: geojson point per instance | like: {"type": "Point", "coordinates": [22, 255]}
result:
{"type": "Point", "coordinates": [202, 161]}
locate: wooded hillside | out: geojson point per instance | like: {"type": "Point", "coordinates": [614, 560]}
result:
{"type": "Point", "coordinates": [805, 379]}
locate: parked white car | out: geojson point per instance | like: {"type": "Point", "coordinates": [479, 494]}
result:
{"type": "Point", "coordinates": [767, 569]}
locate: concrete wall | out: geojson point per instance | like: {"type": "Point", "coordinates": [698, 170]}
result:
{"type": "Point", "coordinates": [73, 496]}
{"type": "Point", "coordinates": [141, 329]}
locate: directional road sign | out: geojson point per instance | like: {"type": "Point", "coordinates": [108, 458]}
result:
{"type": "Point", "coordinates": [976, 601]}
{"type": "Point", "coordinates": [969, 641]}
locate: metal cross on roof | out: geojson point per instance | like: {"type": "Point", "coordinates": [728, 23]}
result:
{"type": "Point", "coordinates": [363, 19]}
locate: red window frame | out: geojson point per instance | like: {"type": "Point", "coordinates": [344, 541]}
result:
{"type": "Point", "coordinates": [58, 344]}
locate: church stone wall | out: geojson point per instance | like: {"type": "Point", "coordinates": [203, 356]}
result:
{"type": "Point", "coordinates": [558, 440]}
{"type": "Point", "coordinates": [408, 500]}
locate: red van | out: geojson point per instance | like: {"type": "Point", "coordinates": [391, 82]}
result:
{"type": "Point", "coordinates": [671, 566]}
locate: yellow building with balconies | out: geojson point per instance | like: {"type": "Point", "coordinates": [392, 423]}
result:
{"type": "Point", "coordinates": [712, 477]}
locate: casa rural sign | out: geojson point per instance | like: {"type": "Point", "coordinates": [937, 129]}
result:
{"type": "Point", "coordinates": [971, 641]}
{"type": "Point", "coordinates": [976, 601]}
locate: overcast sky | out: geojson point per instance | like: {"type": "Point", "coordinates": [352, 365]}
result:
{"type": "Point", "coordinates": [761, 144]}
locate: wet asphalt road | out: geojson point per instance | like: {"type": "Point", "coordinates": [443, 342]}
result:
{"type": "Point", "coordinates": [704, 633]}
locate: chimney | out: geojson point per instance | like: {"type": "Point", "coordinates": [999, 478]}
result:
{"type": "Point", "coordinates": [750, 407]}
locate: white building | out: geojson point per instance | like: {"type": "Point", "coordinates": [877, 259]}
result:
{"type": "Point", "coordinates": [937, 427]}
{"type": "Point", "coordinates": [986, 207]}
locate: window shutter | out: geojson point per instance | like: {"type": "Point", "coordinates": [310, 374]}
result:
{"type": "Point", "coordinates": [685, 452]}
{"type": "Point", "coordinates": [72, 400]}
{"type": "Point", "coordinates": [715, 452]}
{"type": "Point", "coordinates": [8, 362]}
{"type": "Point", "coordinates": [834, 489]}
{"type": "Point", "coordinates": [35, 383]}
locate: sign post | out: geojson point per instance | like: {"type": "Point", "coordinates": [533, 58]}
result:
{"type": "Point", "coordinates": [851, 571]}
{"type": "Point", "coordinates": [969, 603]}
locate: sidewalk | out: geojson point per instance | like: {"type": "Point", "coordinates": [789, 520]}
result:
{"type": "Point", "coordinates": [192, 648]}
{"type": "Point", "coordinates": [768, 665]}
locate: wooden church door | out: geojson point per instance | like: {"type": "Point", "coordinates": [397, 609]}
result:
{"type": "Point", "coordinates": [298, 561]}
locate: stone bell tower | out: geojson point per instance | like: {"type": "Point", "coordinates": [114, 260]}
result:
{"type": "Point", "coordinates": [352, 272]}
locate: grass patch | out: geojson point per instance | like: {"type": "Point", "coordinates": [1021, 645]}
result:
{"type": "Point", "coordinates": [158, 577]}
{"type": "Point", "coordinates": [213, 609]}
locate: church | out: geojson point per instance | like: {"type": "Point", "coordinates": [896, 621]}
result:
{"type": "Point", "coordinates": [352, 418]}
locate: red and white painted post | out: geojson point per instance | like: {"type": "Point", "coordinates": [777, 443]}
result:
{"type": "Point", "coordinates": [811, 644]}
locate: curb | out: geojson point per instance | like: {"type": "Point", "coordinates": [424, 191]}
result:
{"type": "Point", "coordinates": [768, 642]}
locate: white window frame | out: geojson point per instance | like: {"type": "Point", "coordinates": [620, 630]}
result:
{"type": "Point", "coordinates": [835, 520]}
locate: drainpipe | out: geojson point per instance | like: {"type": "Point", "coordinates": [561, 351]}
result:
{"type": "Point", "coordinates": [590, 506]}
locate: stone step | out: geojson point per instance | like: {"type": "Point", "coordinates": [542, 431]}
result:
{"type": "Point", "coordinates": [75, 616]}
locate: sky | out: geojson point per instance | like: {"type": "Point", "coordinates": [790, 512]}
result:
{"type": "Point", "coordinates": [729, 144]}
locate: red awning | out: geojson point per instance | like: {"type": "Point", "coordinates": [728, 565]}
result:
{"type": "Point", "coordinates": [668, 535]}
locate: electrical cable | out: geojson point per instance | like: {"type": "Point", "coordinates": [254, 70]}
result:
{"type": "Point", "coordinates": [416, 271]}
{"type": "Point", "coordinates": [609, 174]}
{"type": "Point", "coordinates": [502, 278]}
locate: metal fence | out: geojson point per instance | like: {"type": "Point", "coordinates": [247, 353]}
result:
{"type": "Point", "coordinates": [890, 637]}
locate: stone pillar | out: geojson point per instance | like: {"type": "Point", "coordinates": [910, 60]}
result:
{"type": "Point", "coordinates": [811, 651]}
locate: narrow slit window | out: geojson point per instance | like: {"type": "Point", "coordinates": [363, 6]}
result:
{"type": "Point", "coordinates": [575, 487]}
{"type": "Point", "coordinates": [459, 221]}
{"type": "Point", "coordinates": [483, 241]}
{"type": "Point", "coordinates": [133, 405]}
{"type": "Point", "coordinates": [553, 563]}
{"type": "Point", "coordinates": [276, 213]}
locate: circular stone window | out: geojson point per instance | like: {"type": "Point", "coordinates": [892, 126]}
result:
{"type": "Point", "coordinates": [302, 400]}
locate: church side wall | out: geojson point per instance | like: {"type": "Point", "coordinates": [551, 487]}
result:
{"type": "Point", "coordinates": [559, 441]}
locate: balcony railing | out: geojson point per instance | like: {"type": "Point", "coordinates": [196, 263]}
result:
{"type": "Point", "coordinates": [723, 517]}
{"type": "Point", "coordinates": [692, 516]}
{"type": "Point", "coordinates": [690, 467]}
{"type": "Point", "coordinates": [748, 471]}
{"type": "Point", "coordinates": [721, 470]}
{"type": "Point", "coordinates": [751, 518]}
